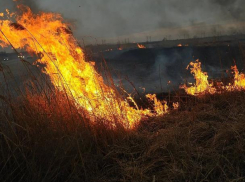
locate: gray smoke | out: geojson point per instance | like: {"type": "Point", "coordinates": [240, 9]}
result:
{"type": "Point", "coordinates": [135, 19]}
{"type": "Point", "coordinates": [117, 18]}
{"type": "Point", "coordinates": [30, 3]}
{"type": "Point", "coordinates": [233, 8]}
{"type": "Point", "coordinates": [5, 4]}
{"type": "Point", "coordinates": [12, 5]}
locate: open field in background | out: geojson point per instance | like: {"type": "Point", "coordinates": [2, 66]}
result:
{"type": "Point", "coordinates": [153, 68]}
{"type": "Point", "coordinates": [147, 70]}
{"type": "Point", "coordinates": [167, 110]}
{"type": "Point", "coordinates": [47, 139]}
{"type": "Point", "coordinates": [160, 62]}
{"type": "Point", "coordinates": [218, 40]}
{"type": "Point", "coordinates": [16, 71]}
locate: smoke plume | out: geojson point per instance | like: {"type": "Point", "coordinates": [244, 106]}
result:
{"type": "Point", "coordinates": [116, 19]}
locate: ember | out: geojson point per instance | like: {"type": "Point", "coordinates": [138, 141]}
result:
{"type": "Point", "coordinates": [140, 46]}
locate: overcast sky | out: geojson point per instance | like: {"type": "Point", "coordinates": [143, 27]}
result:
{"type": "Point", "coordinates": [122, 18]}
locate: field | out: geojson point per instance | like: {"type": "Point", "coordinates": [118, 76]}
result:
{"type": "Point", "coordinates": [62, 121]}
{"type": "Point", "coordinates": [203, 141]}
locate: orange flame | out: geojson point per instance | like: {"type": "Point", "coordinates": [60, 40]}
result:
{"type": "Point", "coordinates": [239, 78]}
{"type": "Point", "coordinates": [46, 33]}
{"type": "Point", "coordinates": [239, 81]}
{"type": "Point", "coordinates": [159, 108]}
{"type": "Point", "coordinates": [176, 105]}
{"type": "Point", "coordinates": [179, 45]}
{"type": "Point", "coordinates": [140, 46]}
{"type": "Point", "coordinates": [202, 85]}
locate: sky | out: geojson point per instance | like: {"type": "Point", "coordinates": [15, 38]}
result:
{"type": "Point", "coordinates": [115, 20]}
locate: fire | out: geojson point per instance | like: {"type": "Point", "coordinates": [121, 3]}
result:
{"type": "Point", "coordinates": [176, 105]}
{"type": "Point", "coordinates": [159, 108]}
{"type": "Point", "coordinates": [179, 45]}
{"type": "Point", "coordinates": [202, 85]}
{"type": "Point", "coordinates": [120, 49]}
{"type": "Point", "coordinates": [1, 14]}
{"type": "Point", "coordinates": [239, 80]}
{"type": "Point", "coordinates": [140, 46]}
{"type": "Point", "coordinates": [46, 34]}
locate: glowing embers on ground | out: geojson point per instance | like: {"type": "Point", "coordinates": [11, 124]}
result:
{"type": "Point", "coordinates": [202, 84]}
{"type": "Point", "coordinates": [46, 34]}
{"type": "Point", "coordinates": [141, 46]}
{"type": "Point", "coordinates": [181, 45]}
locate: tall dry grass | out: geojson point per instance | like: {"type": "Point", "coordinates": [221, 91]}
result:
{"type": "Point", "coordinates": [45, 137]}
{"type": "Point", "coordinates": [40, 141]}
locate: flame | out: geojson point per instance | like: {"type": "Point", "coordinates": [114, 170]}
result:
{"type": "Point", "coordinates": [9, 14]}
{"type": "Point", "coordinates": [239, 80]}
{"type": "Point", "coordinates": [176, 105]}
{"type": "Point", "coordinates": [1, 14]}
{"type": "Point", "coordinates": [202, 85]}
{"type": "Point", "coordinates": [159, 108]}
{"type": "Point", "coordinates": [179, 45]}
{"type": "Point", "coordinates": [140, 46]}
{"type": "Point", "coordinates": [46, 34]}
{"type": "Point", "coordinates": [120, 48]}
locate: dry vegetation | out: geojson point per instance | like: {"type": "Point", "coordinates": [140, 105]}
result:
{"type": "Point", "coordinates": [45, 138]}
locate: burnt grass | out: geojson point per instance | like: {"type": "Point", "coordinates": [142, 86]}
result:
{"type": "Point", "coordinates": [202, 141]}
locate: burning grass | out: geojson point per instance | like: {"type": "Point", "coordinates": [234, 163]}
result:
{"type": "Point", "coordinates": [203, 85]}
{"type": "Point", "coordinates": [80, 129]}
{"type": "Point", "coordinates": [202, 140]}
{"type": "Point", "coordinates": [64, 61]}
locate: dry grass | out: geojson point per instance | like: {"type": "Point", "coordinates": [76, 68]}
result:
{"type": "Point", "coordinates": [47, 139]}
{"type": "Point", "coordinates": [44, 137]}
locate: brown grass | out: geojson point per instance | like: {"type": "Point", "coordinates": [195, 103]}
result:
{"type": "Point", "coordinates": [47, 139]}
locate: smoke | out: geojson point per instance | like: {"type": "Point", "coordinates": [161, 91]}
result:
{"type": "Point", "coordinates": [138, 18]}
{"type": "Point", "coordinates": [12, 5]}
{"type": "Point", "coordinates": [116, 19]}
{"type": "Point", "coordinates": [152, 69]}
{"type": "Point", "coordinates": [30, 3]}
{"type": "Point", "coordinates": [232, 8]}
{"type": "Point", "coordinates": [149, 69]}
{"type": "Point", "coordinates": [6, 4]}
